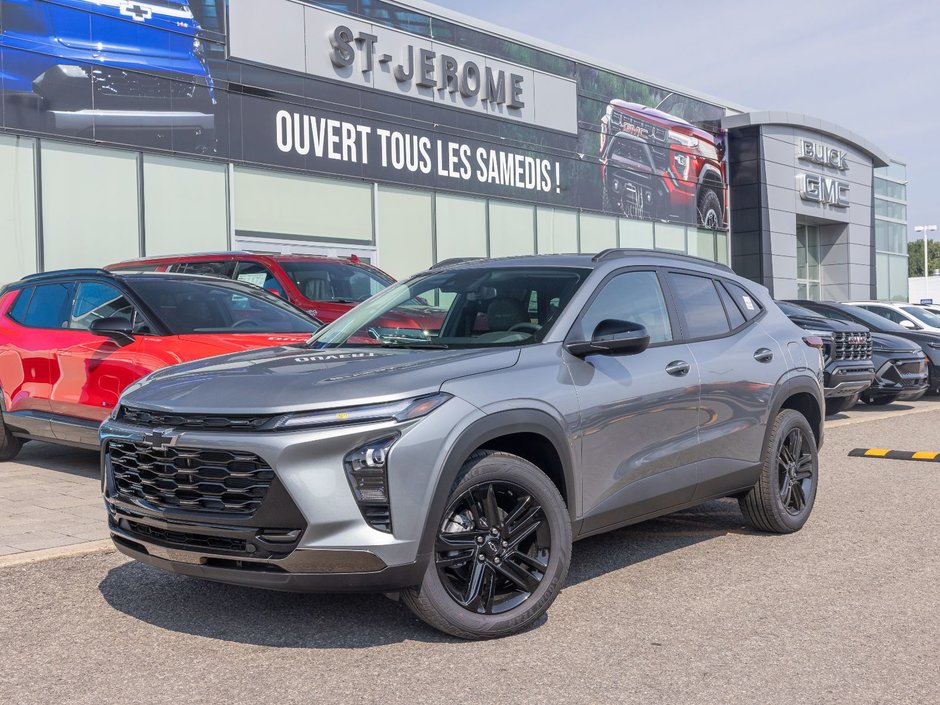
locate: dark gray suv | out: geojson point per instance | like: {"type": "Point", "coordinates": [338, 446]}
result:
{"type": "Point", "coordinates": [549, 398]}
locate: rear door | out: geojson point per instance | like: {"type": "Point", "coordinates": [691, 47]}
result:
{"type": "Point", "coordinates": [739, 365]}
{"type": "Point", "coordinates": [639, 413]}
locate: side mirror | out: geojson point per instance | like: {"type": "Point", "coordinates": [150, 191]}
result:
{"type": "Point", "coordinates": [118, 329]}
{"type": "Point", "coordinates": [612, 337]}
{"type": "Point", "coordinates": [910, 325]}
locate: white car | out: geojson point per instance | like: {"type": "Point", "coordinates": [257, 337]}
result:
{"type": "Point", "coordinates": [911, 316]}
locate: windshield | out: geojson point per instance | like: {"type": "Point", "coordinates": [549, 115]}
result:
{"type": "Point", "coordinates": [465, 308]}
{"type": "Point", "coordinates": [188, 307]}
{"type": "Point", "coordinates": [923, 315]}
{"type": "Point", "coordinates": [794, 310]}
{"type": "Point", "coordinates": [876, 322]}
{"type": "Point", "coordinates": [337, 282]}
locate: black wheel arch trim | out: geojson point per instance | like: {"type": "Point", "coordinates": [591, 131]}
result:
{"type": "Point", "coordinates": [800, 384]}
{"type": "Point", "coordinates": [488, 428]}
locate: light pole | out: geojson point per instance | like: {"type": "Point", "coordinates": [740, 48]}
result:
{"type": "Point", "coordinates": [925, 229]}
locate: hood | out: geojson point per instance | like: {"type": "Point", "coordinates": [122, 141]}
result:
{"type": "Point", "coordinates": [151, 28]}
{"type": "Point", "coordinates": [658, 117]}
{"type": "Point", "coordinates": [197, 347]}
{"type": "Point", "coordinates": [885, 342]}
{"type": "Point", "coordinates": [280, 380]}
{"type": "Point", "coordinates": [826, 324]}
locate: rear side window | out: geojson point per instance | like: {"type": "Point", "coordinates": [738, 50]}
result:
{"type": "Point", "coordinates": [18, 310]}
{"type": "Point", "coordinates": [699, 305]}
{"type": "Point", "coordinates": [749, 307]}
{"type": "Point", "coordinates": [49, 306]}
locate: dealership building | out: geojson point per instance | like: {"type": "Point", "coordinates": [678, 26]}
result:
{"type": "Point", "coordinates": [407, 134]}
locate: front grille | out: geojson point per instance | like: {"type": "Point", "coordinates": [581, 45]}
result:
{"type": "Point", "coordinates": [205, 422]}
{"type": "Point", "coordinates": [851, 346]}
{"type": "Point", "coordinates": [631, 150]}
{"type": "Point", "coordinates": [226, 482]}
{"type": "Point", "coordinates": [187, 540]}
{"type": "Point", "coordinates": [654, 135]}
{"type": "Point", "coordinates": [116, 83]}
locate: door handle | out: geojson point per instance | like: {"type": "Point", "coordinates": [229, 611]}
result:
{"type": "Point", "coordinates": [678, 368]}
{"type": "Point", "coordinates": [763, 355]}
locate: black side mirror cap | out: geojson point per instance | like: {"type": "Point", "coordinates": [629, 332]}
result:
{"type": "Point", "coordinates": [118, 329]}
{"type": "Point", "coordinates": [612, 337]}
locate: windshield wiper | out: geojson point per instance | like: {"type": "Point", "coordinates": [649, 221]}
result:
{"type": "Point", "coordinates": [415, 346]}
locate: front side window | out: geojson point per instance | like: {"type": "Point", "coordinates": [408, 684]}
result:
{"type": "Point", "coordinates": [885, 312]}
{"type": "Point", "coordinates": [94, 300]}
{"type": "Point", "coordinates": [633, 297]}
{"type": "Point", "coordinates": [699, 305]}
{"type": "Point", "coordinates": [338, 282]}
{"type": "Point", "coordinates": [207, 307]}
{"type": "Point", "coordinates": [466, 308]}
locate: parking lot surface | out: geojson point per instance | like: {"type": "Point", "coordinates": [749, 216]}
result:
{"type": "Point", "coordinates": [691, 608]}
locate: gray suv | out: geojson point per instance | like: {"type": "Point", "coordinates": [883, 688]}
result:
{"type": "Point", "coordinates": [549, 398]}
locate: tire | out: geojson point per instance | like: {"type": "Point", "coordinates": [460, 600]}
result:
{"type": "Point", "coordinates": [837, 405]}
{"type": "Point", "coordinates": [479, 553]}
{"type": "Point", "coordinates": [710, 212]}
{"type": "Point", "coordinates": [778, 504]}
{"type": "Point", "coordinates": [10, 445]}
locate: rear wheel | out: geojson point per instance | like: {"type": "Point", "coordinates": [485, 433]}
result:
{"type": "Point", "coordinates": [10, 445]}
{"type": "Point", "coordinates": [709, 209]}
{"type": "Point", "coordinates": [783, 497]}
{"type": "Point", "coordinates": [501, 551]}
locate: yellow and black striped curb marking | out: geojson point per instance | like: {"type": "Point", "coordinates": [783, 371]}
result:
{"type": "Point", "coordinates": [927, 456]}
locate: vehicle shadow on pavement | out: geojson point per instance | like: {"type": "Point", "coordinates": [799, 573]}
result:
{"type": "Point", "coordinates": [63, 459]}
{"type": "Point", "coordinates": [265, 618]}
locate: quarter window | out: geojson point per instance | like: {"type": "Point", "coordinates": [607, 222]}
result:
{"type": "Point", "coordinates": [18, 310]}
{"type": "Point", "coordinates": [747, 304]}
{"type": "Point", "coordinates": [635, 297]}
{"type": "Point", "coordinates": [699, 305]}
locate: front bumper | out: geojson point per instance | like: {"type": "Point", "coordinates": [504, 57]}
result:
{"type": "Point", "coordinates": [845, 380]}
{"type": "Point", "coordinates": [901, 378]}
{"type": "Point", "coordinates": [309, 533]}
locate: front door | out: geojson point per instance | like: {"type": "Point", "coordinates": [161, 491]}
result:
{"type": "Point", "coordinates": [639, 413]}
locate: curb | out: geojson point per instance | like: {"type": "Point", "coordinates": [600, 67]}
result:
{"type": "Point", "coordinates": [48, 554]}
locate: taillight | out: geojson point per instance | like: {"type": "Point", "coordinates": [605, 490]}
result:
{"type": "Point", "coordinates": [814, 341]}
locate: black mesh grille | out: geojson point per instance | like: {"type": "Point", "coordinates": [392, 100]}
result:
{"type": "Point", "coordinates": [208, 422]}
{"type": "Point", "coordinates": [226, 482]}
{"type": "Point", "coordinates": [187, 540]}
{"type": "Point", "coordinates": [851, 346]}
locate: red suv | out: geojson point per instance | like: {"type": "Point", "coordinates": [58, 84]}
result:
{"type": "Point", "coordinates": [72, 341]}
{"type": "Point", "coordinates": [324, 287]}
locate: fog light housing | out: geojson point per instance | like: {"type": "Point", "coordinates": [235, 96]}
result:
{"type": "Point", "coordinates": [367, 472]}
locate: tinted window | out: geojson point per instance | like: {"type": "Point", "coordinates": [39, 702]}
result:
{"type": "Point", "coordinates": [94, 300]}
{"type": "Point", "coordinates": [923, 315]}
{"type": "Point", "coordinates": [886, 312]}
{"type": "Point", "coordinates": [735, 316]}
{"type": "Point", "coordinates": [747, 304]}
{"type": "Point", "coordinates": [334, 281]}
{"type": "Point", "coordinates": [213, 269]}
{"type": "Point", "coordinates": [699, 305]}
{"type": "Point", "coordinates": [635, 297]}
{"type": "Point", "coordinates": [254, 273]}
{"type": "Point", "coordinates": [207, 307]}
{"type": "Point", "coordinates": [18, 310]}
{"type": "Point", "coordinates": [49, 306]}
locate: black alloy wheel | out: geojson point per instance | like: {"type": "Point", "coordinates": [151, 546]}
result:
{"type": "Point", "coordinates": [795, 462]}
{"type": "Point", "coordinates": [493, 547]}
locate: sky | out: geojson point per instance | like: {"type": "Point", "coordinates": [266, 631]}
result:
{"type": "Point", "coordinates": [869, 66]}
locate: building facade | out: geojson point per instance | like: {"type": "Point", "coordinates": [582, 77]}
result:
{"type": "Point", "coordinates": [405, 134]}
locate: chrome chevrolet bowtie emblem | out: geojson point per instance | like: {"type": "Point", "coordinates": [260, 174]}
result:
{"type": "Point", "coordinates": [136, 11]}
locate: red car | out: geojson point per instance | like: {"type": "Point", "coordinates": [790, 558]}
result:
{"type": "Point", "coordinates": [324, 287]}
{"type": "Point", "coordinates": [72, 341]}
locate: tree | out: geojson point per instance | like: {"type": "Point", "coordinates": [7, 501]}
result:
{"type": "Point", "coordinates": [915, 251]}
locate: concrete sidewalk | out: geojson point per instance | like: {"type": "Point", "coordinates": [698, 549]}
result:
{"type": "Point", "coordinates": [50, 496]}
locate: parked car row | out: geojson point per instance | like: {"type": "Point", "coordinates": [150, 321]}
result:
{"type": "Point", "coordinates": [869, 356]}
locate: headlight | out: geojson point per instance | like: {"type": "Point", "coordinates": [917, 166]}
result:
{"type": "Point", "coordinates": [404, 410]}
{"type": "Point", "coordinates": [684, 140]}
{"type": "Point", "coordinates": [682, 165]}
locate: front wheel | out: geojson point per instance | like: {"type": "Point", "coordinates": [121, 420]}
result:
{"type": "Point", "coordinates": [10, 445]}
{"type": "Point", "coordinates": [783, 497]}
{"type": "Point", "coordinates": [501, 551]}
{"type": "Point", "coordinates": [709, 209]}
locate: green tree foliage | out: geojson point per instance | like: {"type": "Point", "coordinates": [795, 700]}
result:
{"type": "Point", "coordinates": [915, 251]}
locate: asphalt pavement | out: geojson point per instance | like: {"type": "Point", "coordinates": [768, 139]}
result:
{"type": "Point", "coordinates": [691, 608]}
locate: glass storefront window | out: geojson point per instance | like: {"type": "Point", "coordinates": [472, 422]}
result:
{"type": "Point", "coordinates": [890, 209]}
{"type": "Point", "coordinates": [670, 237]}
{"type": "Point", "coordinates": [405, 230]}
{"type": "Point", "coordinates": [461, 226]}
{"type": "Point", "coordinates": [891, 189]}
{"type": "Point", "coordinates": [598, 232]}
{"type": "Point", "coordinates": [512, 229]}
{"type": "Point", "coordinates": [807, 261]}
{"type": "Point", "coordinates": [636, 233]}
{"type": "Point", "coordinates": [557, 230]}
{"type": "Point", "coordinates": [17, 207]}
{"type": "Point", "coordinates": [90, 207]}
{"type": "Point", "coordinates": [171, 229]}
